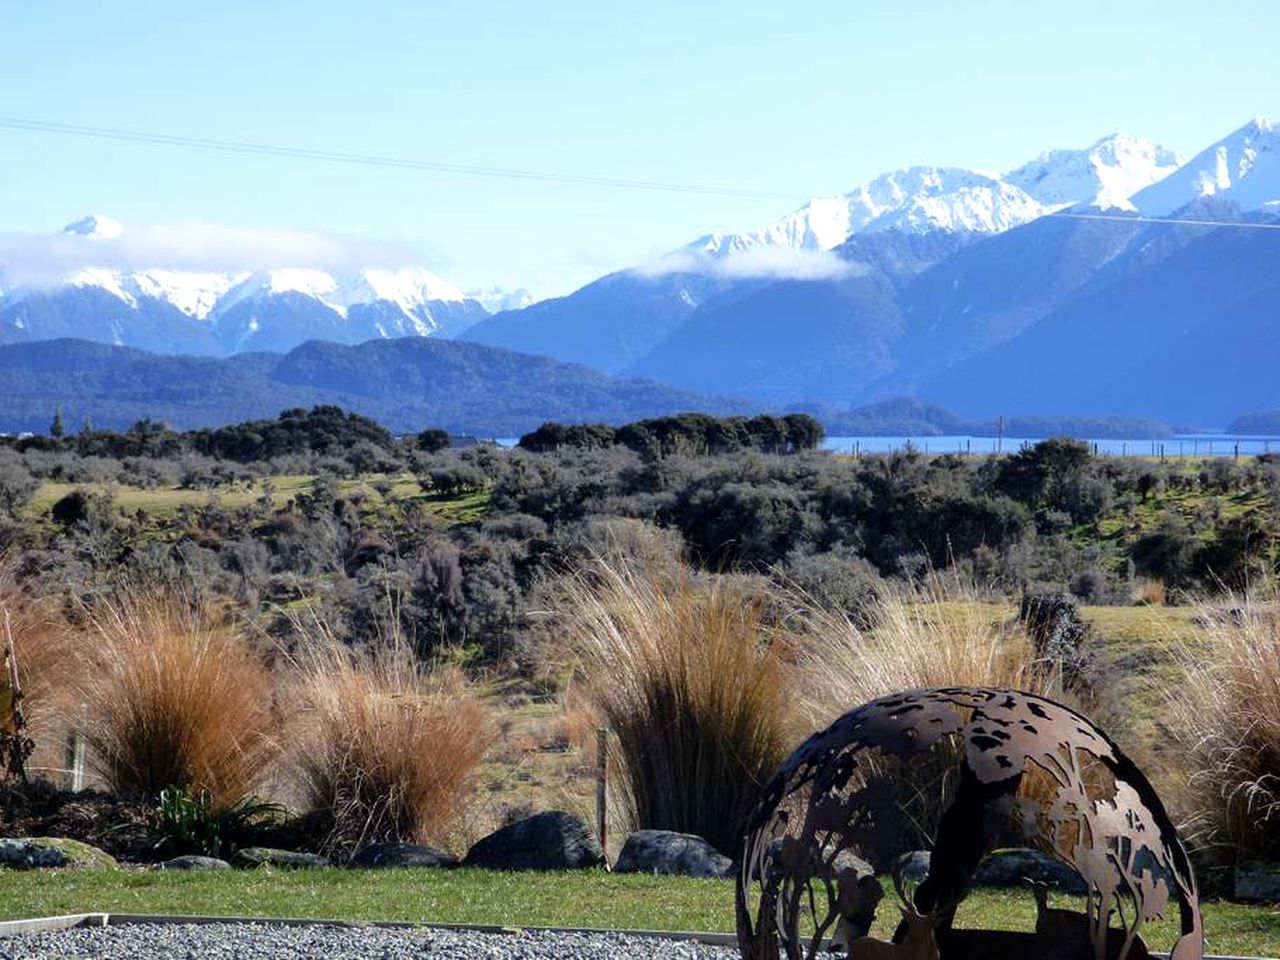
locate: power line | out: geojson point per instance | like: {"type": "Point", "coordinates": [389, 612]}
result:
{"type": "Point", "coordinates": [372, 160]}
{"type": "Point", "coordinates": [1191, 223]}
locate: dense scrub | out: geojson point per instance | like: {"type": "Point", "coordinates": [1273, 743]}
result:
{"type": "Point", "coordinates": [455, 545]}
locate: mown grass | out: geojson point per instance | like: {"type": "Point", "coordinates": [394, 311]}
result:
{"type": "Point", "coordinates": [581, 899]}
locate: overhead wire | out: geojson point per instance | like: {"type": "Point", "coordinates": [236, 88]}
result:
{"type": "Point", "coordinates": [374, 160]}
{"type": "Point", "coordinates": [510, 173]}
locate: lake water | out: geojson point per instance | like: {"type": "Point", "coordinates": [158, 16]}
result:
{"type": "Point", "coordinates": [1190, 445]}
{"type": "Point", "coordinates": [1197, 445]}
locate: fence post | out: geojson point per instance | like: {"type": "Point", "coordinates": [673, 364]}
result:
{"type": "Point", "coordinates": [602, 773]}
{"type": "Point", "coordinates": [75, 761]}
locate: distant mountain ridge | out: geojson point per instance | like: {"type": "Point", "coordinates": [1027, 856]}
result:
{"type": "Point", "coordinates": [406, 384]}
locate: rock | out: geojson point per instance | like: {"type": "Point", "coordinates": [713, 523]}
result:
{"type": "Point", "coordinates": [194, 862]}
{"type": "Point", "coordinates": [28, 852]}
{"type": "Point", "coordinates": [914, 865]}
{"type": "Point", "coordinates": [670, 854]}
{"type": "Point", "coordinates": [401, 855]}
{"type": "Point", "coordinates": [845, 860]}
{"type": "Point", "coordinates": [1258, 881]}
{"type": "Point", "coordinates": [270, 857]}
{"type": "Point", "coordinates": [1015, 866]}
{"type": "Point", "coordinates": [545, 841]}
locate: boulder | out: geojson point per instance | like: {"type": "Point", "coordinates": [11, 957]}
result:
{"type": "Point", "coordinates": [545, 841]}
{"type": "Point", "coordinates": [667, 853]}
{"type": "Point", "coordinates": [914, 865]}
{"type": "Point", "coordinates": [193, 861]}
{"type": "Point", "coordinates": [1014, 867]}
{"type": "Point", "coordinates": [28, 852]}
{"type": "Point", "coordinates": [377, 855]}
{"type": "Point", "coordinates": [1259, 882]}
{"type": "Point", "coordinates": [270, 857]}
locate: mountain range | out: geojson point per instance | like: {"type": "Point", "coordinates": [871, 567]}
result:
{"type": "Point", "coordinates": [218, 313]}
{"type": "Point", "coordinates": [1104, 280]}
{"type": "Point", "coordinates": [407, 384]}
{"type": "Point", "coordinates": [1045, 291]}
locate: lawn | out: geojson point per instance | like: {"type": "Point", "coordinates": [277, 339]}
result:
{"type": "Point", "coordinates": [581, 899]}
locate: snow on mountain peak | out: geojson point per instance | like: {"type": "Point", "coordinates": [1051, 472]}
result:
{"type": "Point", "coordinates": [96, 226]}
{"type": "Point", "coordinates": [1104, 175]}
{"type": "Point", "coordinates": [916, 199]}
{"type": "Point", "coordinates": [498, 299]}
{"type": "Point", "coordinates": [1243, 168]}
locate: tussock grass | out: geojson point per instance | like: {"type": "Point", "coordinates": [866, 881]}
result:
{"type": "Point", "coordinates": [49, 663]}
{"type": "Point", "coordinates": [686, 675]}
{"type": "Point", "coordinates": [382, 746]}
{"type": "Point", "coordinates": [1224, 712]}
{"type": "Point", "coordinates": [174, 695]}
{"type": "Point", "coordinates": [936, 635]}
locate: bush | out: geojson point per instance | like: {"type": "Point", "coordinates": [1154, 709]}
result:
{"type": "Point", "coordinates": [381, 746]}
{"type": "Point", "coordinates": [685, 676]}
{"type": "Point", "coordinates": [175, 696]}
{"type": "Point", "coordinates": [1224, 708]}
{"type": "Point", "coordinates": [191, 824]}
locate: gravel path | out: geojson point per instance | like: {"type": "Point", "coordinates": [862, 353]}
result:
{"type": "Point", "coordinates": [252, 941]}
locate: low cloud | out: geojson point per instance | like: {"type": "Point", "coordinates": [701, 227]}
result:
{"type": "Point", "coordinates": [767, 263]}
{"type": "Point", "coordinates": [39, 259]}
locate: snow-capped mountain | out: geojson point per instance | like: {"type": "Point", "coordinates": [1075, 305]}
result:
{"type": "Point", "coordinates": [207, 311]}
{"type": "Point", "coordinates": [968, 202]}
{"type": "Point", "coordinates": [1242, 168]}
{"type": "Point", "coordinates": [1104, 175]}
{"type": "Point", "coordinates": [498, 299]}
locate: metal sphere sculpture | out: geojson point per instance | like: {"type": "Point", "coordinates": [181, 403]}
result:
{"type": "Point", "coordinates": [960, 771]}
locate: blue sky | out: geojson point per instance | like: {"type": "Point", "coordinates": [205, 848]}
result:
{"type": "Point", "coordinates": [798, 98]}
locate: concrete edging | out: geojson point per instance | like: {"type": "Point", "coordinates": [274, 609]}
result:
{"type": "Point", "coordinates": [73, 920]}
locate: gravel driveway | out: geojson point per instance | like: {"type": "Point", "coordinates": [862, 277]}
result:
{"type": "Point", "coordinates": [252, 941]}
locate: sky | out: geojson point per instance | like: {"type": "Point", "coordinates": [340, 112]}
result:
{"type": "Point", "coordinates": [788, 100]}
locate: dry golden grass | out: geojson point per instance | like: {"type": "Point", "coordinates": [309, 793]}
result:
{"type": "Point", "coordinates": [174, 695]}
{"type": "Point", "coordinates": [1224, 712]}
{"type": "Point", "coordinates": [1151, 593]}
{"type": "Point", "coordinates": [381, 745]}
{"type": "Point", "coordinates": [50, 663]}
{"type": "Point", "coordinates": [685, 675]}
{"type": "Point", "coordinates": [934, 636]}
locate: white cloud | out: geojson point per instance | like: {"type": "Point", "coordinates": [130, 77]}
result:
{"type": "Point", "coordinates": [39, 259]}
{"type": "Point", "coordinates": [763, 262]}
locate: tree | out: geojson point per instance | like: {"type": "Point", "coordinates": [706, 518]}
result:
{"type": "Point", "coordinates": [433, 440]}
{"type": "Point", "coordinates": [57, 428]}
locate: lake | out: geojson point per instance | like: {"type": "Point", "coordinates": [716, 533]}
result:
{"type": "Point", "coordinates": [1188, 445]}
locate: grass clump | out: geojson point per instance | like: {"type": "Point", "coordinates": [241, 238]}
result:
{"type": "Point", "coordinates": [1224, 708]}
{"type": "Point", "coordinates": [382, 746]}
{"type": "Point", "coordinates": [174, 695]}
{"type": "Point", "coordinates": [684, 672]}
{"type": "Point", "coordinates": [931, 636]}
{"type": "Point", "coordinates": [49, 663]}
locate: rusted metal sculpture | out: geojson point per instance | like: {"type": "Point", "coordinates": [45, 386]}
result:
{"type": "Point", "coordinates": [960, 771]}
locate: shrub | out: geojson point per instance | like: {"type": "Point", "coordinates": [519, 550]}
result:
{"type": "Point", "coordinates": [683, 672]}
{"type": "Point", "coordinates": [191, 824]}
{"type": "Point", "coordinates": [175, 696]}
{"type": "Point", "coordinates": [1224, 708]}
{"type": "Point", "coordinates": [381, 746]}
